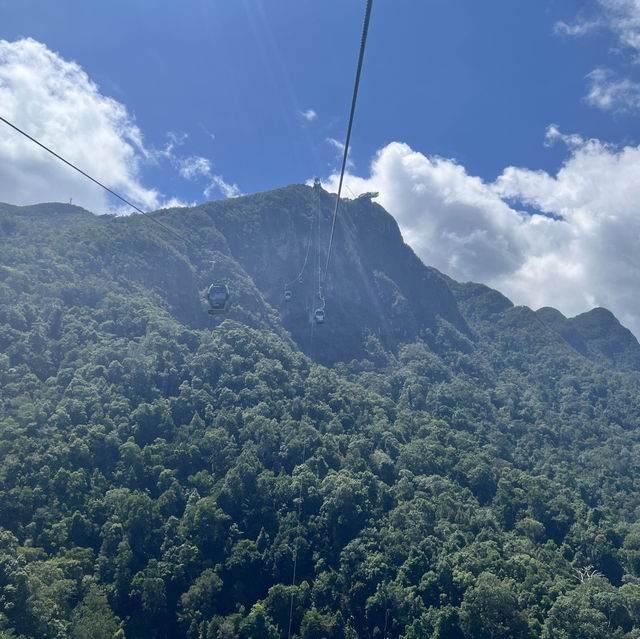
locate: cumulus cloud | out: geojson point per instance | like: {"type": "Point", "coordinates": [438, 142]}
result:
{"type": "Point", "coordinates": [309, 115]}
{"type": "Point", "coordinates": [450, 218]}
{"type": "Point", "coordinates": [590, 256]}
{"type": "Point", "coordinates": [55, 101]}
{"type": "Point", "coordinates": [576, 247]}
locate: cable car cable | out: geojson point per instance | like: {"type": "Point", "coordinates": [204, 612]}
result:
{"type": "Point", "coordinates": [318, 313]}
{"type": "Point", "coordinates": [363, 42]}
{"type": "Point", "coordinates": [306, 255]}
{"type": "Point", "coordinates": [106, 188]}
{"type": "Point", "coordinates": [298, 278]}
{"type": "Point", "coordinates": [318, 259]}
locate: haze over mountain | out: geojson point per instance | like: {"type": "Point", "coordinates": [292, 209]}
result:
{"type": "Point", "coordinates": [433, 460]}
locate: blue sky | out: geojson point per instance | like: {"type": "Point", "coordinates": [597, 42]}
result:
{"type": "Point", "coordinates": [478, 81]}
{"type": "Point", "coordinates": [502, 135]}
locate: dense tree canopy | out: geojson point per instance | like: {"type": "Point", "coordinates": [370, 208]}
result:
{"type": "Point", "coordinates": [164, 474]}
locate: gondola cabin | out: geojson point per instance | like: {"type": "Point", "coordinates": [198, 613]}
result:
{"type": "Point", "coordinates": [218, 298]}
{"type": "Point", "coordinates": [318, 316]}
{"type": "Point", "coordinates": [287, 296]}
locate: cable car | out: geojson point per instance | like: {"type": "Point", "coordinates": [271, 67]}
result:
{"type": "Point", "coordinates": [318, 316]}
{"type": "Point", "coordinates": [218, 298]}
{"type": "Point", "coordinates": [287, 296]}
{"type": "Point", "coordinates": [300, 279]}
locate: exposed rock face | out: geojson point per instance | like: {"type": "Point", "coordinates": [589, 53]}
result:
{"type": "Point", "coordinates": [375, 286]}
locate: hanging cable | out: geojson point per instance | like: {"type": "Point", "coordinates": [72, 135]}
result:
{"type": "Point", "coordinates": [319, 294]}
{"type": "Point", "coordinates": [363, 42]}
{"type": "Point", "coordinates": [106, 188]}
{"type": "Point", "coordinates": [316, 188]}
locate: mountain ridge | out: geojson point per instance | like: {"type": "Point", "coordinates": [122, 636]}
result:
{"type": "Point", "coordinates": [374, 276]}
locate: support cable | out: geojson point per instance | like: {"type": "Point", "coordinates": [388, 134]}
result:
{"type": "Point", "coordinates": [363, 42]}
{"type": "Point", "coordinates": [106, 188]}
{"type": "Point", "coordinates": [316, 187]}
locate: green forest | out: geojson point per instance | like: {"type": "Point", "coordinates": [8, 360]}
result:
{"type": "Point", "coordinates": [432, 462]}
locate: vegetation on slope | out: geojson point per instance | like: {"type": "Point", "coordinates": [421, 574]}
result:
{"type": "Point", "coordinates": [161, 473]}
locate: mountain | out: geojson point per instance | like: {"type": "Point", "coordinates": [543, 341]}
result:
{"type": "Point", "coordinates": [378, 294]}
{"type": "Point", "coordinates": [432, 461]}
{"type": "Point", "coordinates": [597, 335]}
{"type": "Point", "coordinates": [376, 287]}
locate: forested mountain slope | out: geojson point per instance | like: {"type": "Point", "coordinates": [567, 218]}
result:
{"type": "Point", "coordinates": [458, 467]}
{"type": "Point", "coordinates": [597, 335]}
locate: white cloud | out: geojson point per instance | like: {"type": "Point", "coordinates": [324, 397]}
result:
{"type": "Point", "coordinates": [55, 101]}
{"type": "Point", "coordinates": [576, 29]}
{"type": "Point", "coordinates": [451, 219]}
{"type": "Point", "coordinates": [553, 135]}
{"type": "Point", "coordinates": [339, 147]}
{"type": "Point", "coordinates": [579, 250]}
{"type": "Point", "coordinates": [175, 202]}
{"type": "Point", "coordinates": [309, 115]}
{"type": "Point", "coordinates": [612, 94]}
{"type": "Point", "coordinates": [193, 167]}
{"type": "Point", "coordinates": [207, 132]}
{"type": "Point", "coordinates": [336, 144]}
{"type": "Point", "coordinates": [623, 17]}
{"type": "Point", "coordinates": [217, 183]}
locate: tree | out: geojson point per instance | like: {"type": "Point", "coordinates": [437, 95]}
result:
{"type": "Point", "coordinates": [258, 625]}
{"type": "Point", "coordinates": [593, 610]}
{"type": "Point", "coordinates": [490, 610]}
{"type": "Point", "coordinates": [92, 618]}
{"type": "Point", "coordinates": [316, 625]}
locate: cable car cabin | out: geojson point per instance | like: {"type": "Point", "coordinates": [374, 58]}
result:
{"type": "Point", "coordinates": [287, 296]}
{"type": "Point", "coordinates": [318, 316]}
{"type": "Point", "coordinates": [218, 298]}
{"type": "Point", "coordinates": [300, 281]}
